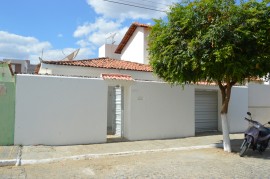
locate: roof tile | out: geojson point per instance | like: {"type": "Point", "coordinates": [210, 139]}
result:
{"type": "Point", "coordinates": [113, 76]}
{"type": "Point", "coordinates": [105, 63]}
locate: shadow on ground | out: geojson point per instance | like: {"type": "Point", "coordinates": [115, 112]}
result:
{"type": "Point", "coordinates": [201, 134]}
{"type": "Point", "coordinates": [236, 143]}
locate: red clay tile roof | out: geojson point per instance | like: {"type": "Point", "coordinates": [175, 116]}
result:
{"type": "Point", "coordinates": [113, 76]}
{"type": "Point", "coordinates": [128, 34]}
{"type": "Point", "coordinates": [206, 83]}
{"type": "Point", "coordinates": [105, 63]}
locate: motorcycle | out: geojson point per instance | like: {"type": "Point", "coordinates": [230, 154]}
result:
{"type": "Point", "coordinates": [257, 137]}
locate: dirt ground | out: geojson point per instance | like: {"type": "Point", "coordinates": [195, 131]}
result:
{"type": "Point", "coordinates": [200, 163]}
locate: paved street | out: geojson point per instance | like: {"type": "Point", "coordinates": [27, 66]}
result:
{"type": "Point", "coordinates": [196, 163]}
{"type": "Point", "coordinates": [191, 157]}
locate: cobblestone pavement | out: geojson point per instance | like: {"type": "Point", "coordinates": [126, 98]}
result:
{"type": "Point", "coordinates": [199, 163]}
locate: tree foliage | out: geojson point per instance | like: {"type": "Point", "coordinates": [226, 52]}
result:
{"type": "Point", "coordinates": [217, 41]}
{"type": "Point", "coordinates": [212, 40]}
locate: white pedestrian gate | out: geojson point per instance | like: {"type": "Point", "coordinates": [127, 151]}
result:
{"type": "Point", "coordinates": [118, 110]}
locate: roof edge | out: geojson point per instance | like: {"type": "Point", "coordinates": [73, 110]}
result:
{"type": "Point", "coordinates": [128, 35]}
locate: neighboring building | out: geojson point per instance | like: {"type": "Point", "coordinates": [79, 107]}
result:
{"type": "Point", "coordinates": [7, 104]}
{"type": "Point", "coordinates": [6, 73]}
{"type": "Point", "coordinates": [20, 66]}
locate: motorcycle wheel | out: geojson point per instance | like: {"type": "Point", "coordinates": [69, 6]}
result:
{"type": "Point", "coordinates": [263, 146]}
{"type": "Point", "coordinates": [245, 146]}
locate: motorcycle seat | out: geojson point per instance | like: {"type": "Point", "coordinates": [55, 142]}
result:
{"type": "Point", "coordinates": [264, 131]}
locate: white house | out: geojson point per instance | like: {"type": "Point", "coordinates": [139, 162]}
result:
{"type": "Point", "coordinates": [120, 95]}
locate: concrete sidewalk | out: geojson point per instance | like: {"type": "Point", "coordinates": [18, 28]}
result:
{"type": "Point", "coordinates": [23, 155]}
{"type": "Point", "coordinates": [9, 155]}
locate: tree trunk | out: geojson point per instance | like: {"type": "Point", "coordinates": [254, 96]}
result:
{"type": "Point", "coordinates": [226, 133]}
{"type": "Point", "coordinates": [226, 94]}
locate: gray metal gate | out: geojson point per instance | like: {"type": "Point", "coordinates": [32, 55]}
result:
{"type": "Point", "coordinates": [206, 111]}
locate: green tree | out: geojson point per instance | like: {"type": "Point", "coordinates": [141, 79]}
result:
{"type": "Point", "coordinates": [217, 41]}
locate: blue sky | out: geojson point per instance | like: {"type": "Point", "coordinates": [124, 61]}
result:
{"type": "Point", "coordinates": [55, 27]}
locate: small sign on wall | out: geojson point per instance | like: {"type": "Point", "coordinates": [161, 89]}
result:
{"type": "Point", "coordinates": [3, 90]}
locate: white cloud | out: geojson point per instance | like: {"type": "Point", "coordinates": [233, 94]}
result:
{"type": "Point", "coordinates": [82, 30]}
{"type": "Point", "coordinates": [16, 46]}
{"type": "Point", "coordinates": [130, 10]}
{"type": "Point", "coordinates": [60, 35]}
{"type": "Point", "coordinates": [13, 46]}
{"type": "Point", "coordinates": [95, 34]}
{"type": "Point", "coordinates": [83, 43]}
{"type": "Point", "coordinates": [100, 25]}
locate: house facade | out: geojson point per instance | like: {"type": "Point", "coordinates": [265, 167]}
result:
{"type": "Point", "coordinates": [83, 101]}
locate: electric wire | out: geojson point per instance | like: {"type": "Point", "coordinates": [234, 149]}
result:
{"type": "Point", "coordinates": [146, 3]}
{"type": "Point", "coordinates": [157, 2]}
{"type": "Point", "coordinates": [132, 5]}
{"type": "Point", "coordinates": [135, 3]}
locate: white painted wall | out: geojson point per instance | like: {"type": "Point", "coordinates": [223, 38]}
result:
{"type": "Point", "coordinates": [259, 102]}
{"type": "Point", "coordinates": [238, 107]}
{"type": "Point", "coordinates": [146, 54]}
{"type": "Point", "coordinates": [71, 110]}
{"type": "Point", "coordinates": [93, 72]}
{"type": "Point", "coordinates": [60, 110]}
{"type": "Point", "coordinates": [159, 111]}
{"type": "Point", "coordinates": [135, 49]}
{"type": "Point", "coordinates": [107, 50]}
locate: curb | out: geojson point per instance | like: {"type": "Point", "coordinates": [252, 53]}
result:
{"type": "Point", "coordinates": [19, 161]}
{"type": "Point", "coordinates": [12, 162]}
{"type": "Point", "coordinates": [4, 163]}
{"type": "Point", "coordinates": [127, 153]}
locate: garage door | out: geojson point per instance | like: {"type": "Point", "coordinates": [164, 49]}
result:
{"type": "Point", "coordinates": [206, 111]}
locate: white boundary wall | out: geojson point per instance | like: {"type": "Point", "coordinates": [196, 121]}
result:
{"type": "Point", "coordinates": [259, 102]}
{"type": "Point", "coordinates": [69, 110]}
{"type": "Point", "coordinates": [159, 111]}
{"type": "Point", "coordinates": [60, 110]}
{"type": "Point", "coordinates": [238, 108]}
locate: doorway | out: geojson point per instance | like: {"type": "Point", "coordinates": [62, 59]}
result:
{"type": "Point", "coordinates": [115, 113]}
{"type": "Point", "coordinates": [206, 111]}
